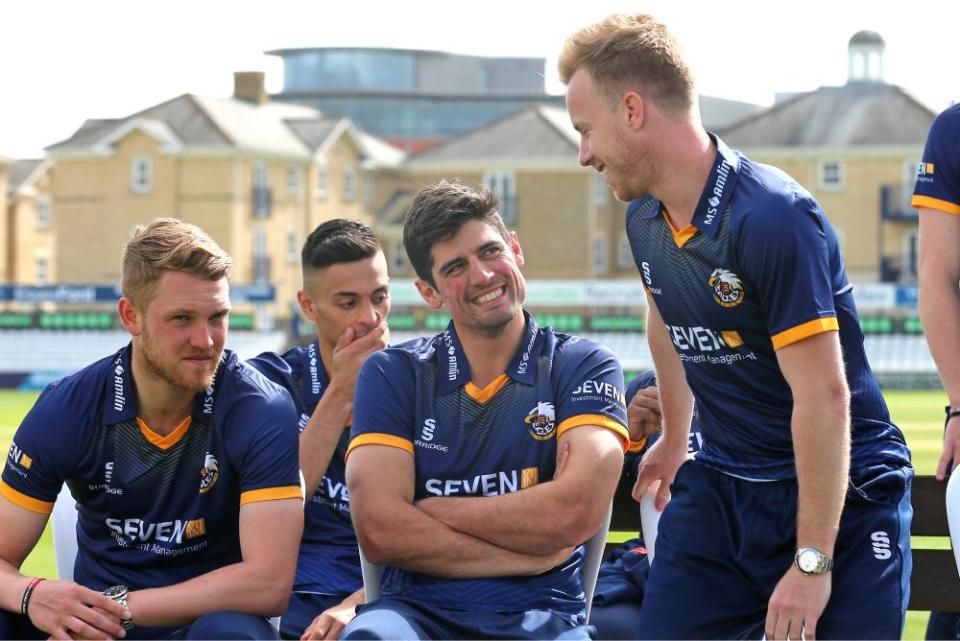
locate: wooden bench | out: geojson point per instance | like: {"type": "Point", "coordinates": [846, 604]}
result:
{"type": "Point", "coordinates": [934, 584]}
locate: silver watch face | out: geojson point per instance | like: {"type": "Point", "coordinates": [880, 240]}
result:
{"type": "Point", "coordinates": [808, 560]}
{"type": "Point", "coordinates": [116, 592]}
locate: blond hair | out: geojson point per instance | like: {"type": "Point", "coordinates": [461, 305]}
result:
{"type": "Point", "coordinates": [168, 244]}
{"type": "Point", "coordinates": [626, 51]}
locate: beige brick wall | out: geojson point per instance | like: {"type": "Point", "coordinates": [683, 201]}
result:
{"type": "Point", "coordinates": [30, 242]}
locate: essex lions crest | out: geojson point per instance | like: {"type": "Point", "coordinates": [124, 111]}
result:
{"type": "Point", "coordinates": [542, 421]}
{"type": "Point", "coordinates": [209, 473]}
{"type": "Point", "coordinates": [727, 288]}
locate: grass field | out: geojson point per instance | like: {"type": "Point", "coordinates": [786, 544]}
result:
{"type": "Point", "coordinates": [919, 414]}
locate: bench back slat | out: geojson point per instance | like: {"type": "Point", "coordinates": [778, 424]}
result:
{"type": "Point", "coordinates": [934, 583]}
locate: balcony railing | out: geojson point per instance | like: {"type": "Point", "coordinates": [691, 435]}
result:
{"type": "Point", "coordinates": [895, 203]}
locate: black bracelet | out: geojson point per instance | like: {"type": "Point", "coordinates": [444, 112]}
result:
{"type": "Point", "coordinates": [25, 601]}
{"type": "Point", "coordinates": [951, 411]}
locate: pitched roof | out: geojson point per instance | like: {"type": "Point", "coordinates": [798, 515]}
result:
{"type": "Point", "coordinates": [858, 113]}
{"type": "Point", "coordinates": [536, 133]}
{"type": "Point", "coordinates": [196, 122]}
{"type": "Point", "coordinates": [23, 173]}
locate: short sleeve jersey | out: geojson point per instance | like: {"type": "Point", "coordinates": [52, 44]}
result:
{"type": "Point", "coordinates": [329, 561]}
{"type": "Point", "coordinates": [938, 177]}
{"type": "Point", "coordinates": [468, 441]}
{"type": "Point", "coordinates": [643, 380]}
{"type": "Point", "coordinates": [758, 269]}
{"type": "Point", "coordinates": [154, 510]}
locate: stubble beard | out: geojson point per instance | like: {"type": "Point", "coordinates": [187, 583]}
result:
{"type": "Point", "coordinates": [167, 371]}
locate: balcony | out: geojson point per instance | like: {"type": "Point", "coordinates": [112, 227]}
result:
{"type": "Point", "coordinates": [261, 202]}
{"type": "Point", "coordinates": [895, 204]}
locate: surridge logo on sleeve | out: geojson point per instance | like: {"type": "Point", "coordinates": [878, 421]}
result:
{"type": "Point", "coordinates": [542, 421]}
{"type": "Point", "coordinates": [727, 288]}
{"type": "Point", "coordinates": [209, 473]}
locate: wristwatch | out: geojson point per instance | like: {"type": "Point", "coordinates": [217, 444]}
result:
{"type": "Point", "coordinates": [119, 594]}
{"type": "Point", "coordinates": [812, 561]}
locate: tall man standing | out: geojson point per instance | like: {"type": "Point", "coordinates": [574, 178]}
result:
{"type": "Point", "coordinates": [937, 195]}
{"type": "Point", "coordinates": [480, 459]}
{"type": "Point", "coordinates": [345, 295]}
{"type": "Point", "coordinates": [183, 463]}
{"type": "Point", "coordinates": [751, 311]}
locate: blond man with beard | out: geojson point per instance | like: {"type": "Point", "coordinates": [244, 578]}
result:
{"type": "Point", "coordinates": [181, 458]}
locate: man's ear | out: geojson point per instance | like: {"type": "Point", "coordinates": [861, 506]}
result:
{"type": "Point", "coordinates": [633, 110]}
{"type": "Point", "coordinates": [306, 305]}
{"type": "Point", "coordinates": [516, 249]}
{"type": "Point", "coordinates": [429, 293]}
{"type": "Point", "coordinates": [129, 316]}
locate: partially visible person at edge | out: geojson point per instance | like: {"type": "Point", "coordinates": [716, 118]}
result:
{"type": "Point", "coordinates": [345, 295]}
{"type": "Point", "coordinates": [937, 196]}
{"type": "Point", "coordinates": [183, 463]}
{"type": "Point", "coordinates": [798, 503]}
{"type": "Point", "coordinates": [482, 458]}
{"type": "Point", "coordinates": [623, 574]}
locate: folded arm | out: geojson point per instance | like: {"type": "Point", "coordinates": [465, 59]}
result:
{"type": "Point", "coordinates": [392, 530]}
{"type": "Point", "coordinates": [550, 516]}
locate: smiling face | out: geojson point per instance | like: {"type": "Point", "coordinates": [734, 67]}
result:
{"type": "Point", "coordinates": [179, 336]}
{"type": "Point", "coordinates": [607, 143]}
{"type": "Point", "coordinates": [478, 279]}
{"type": "Point", "coordinates": [353, 294]}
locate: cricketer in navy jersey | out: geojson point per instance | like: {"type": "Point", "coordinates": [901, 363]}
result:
{"type": "Point", "coordinates": [329, 562]}
{"type": "Point", "coordinates": [154, 511]}
{"type": "Point", "coordinates": [736, 286]}
{"type": "Point", "coordinates": [472, 442]}
{"type": "Point", "coordinates": [733, 288]}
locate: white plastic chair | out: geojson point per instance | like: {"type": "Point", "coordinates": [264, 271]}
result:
{"type": "Point", "coordinates": [953, 514]}
{"type": "Point", "coordinates": [592, 556]}
{"type": "Point", "coordinates": [64, 524]}
{"type": "Point", "coordinates": [649, 521]}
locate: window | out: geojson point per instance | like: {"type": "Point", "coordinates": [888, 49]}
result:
{"type": "Point", "coordinates": [397, 257]}
{"type": "Point", "coordinates": [830, 175]}
{"type": "Point", "coordinates": [320, 191]}
{"type": "Point", "coordinates": [601, 257]}
{"type": "Point", "coordinates": [259, 174]}
{"type": "Point", "coordinates": [293, 247]}
{"type": "Point", "coordinates": [349, 184]}
{"type": "Point", "coordinates": [293, 180]}
{"type": "Point", "coordinates": [261, 199]}
{"type": "Point", "coordinates": [503, 184]}
{"type": "Point", "coordinates": [624, 253]}
{"type": "Point", "coordinates": [261, 260]}
{"type": "Point", "coordinates": [601, 193]}
{"type": "Point", "coordinates": [44, 213]}
{"type": "Point", "coordinates": [368, 188]}
{"type": "Point", "coordinates": [43, 270]}
{"type": "Point", "coordinates": [141, 175]}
